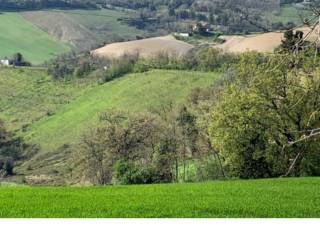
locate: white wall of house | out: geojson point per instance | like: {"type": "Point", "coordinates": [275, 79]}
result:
{"type": "Point", "coordinates": [184, 34]}
{"type": "Point", "coordinates": [4, 62]}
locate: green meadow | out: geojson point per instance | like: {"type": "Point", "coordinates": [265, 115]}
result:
{"type": "Point", "coordinates": [19, 35]}
{"type": "Point", "coordinates": [272, 198]}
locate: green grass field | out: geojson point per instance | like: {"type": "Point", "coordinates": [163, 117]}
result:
{"type": "Point", "coordinates": [273, 198]}
{"type": "Point", "coordinates": [19, 35]}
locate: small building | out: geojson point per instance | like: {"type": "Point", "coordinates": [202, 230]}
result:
{"type": "Point", "coordinates": [5, 62]}
{"type": "Point", "coordinates": [202, 28]}
{"type": "Point", "coordinates": [184, 34]}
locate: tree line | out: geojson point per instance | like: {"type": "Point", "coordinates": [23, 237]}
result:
{"type": "Point", "coordinates": [19, 5]}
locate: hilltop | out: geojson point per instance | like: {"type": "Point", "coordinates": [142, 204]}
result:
{"type": "Point", "coordinates": [145, 48]}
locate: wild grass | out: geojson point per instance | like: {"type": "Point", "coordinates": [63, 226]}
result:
{"type": "Point", "coordinates": [272, 198]}
{"type": "Point", "coordinates": [28, 95]}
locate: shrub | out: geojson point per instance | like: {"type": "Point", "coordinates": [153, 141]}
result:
{"type": "Point", "coordinates": [130, 173]}
{"type": "Point", "coordinates": [118, 69]}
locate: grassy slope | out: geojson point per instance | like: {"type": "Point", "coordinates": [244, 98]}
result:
{"type": "Point", "coordinates": [28, 95]}
{"type": "Point", "coordinates": [54, 114]}
{"type": "Point", "coordinates": [255, 198]}
{"type": "Point", "coordinates": [134, 92]}
{"type": "Point", "coordinates": [18, 35]}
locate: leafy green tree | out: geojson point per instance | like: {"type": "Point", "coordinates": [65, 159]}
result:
{"type": "Point", "coordinates": [265, 122]}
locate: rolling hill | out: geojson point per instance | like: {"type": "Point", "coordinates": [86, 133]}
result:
{"type": "Point", "coordinates": [145, 47]}
{"type": "Point", "coordinates": [54, 115]}
{"type": "Point", "coordinates": [264, 42]}
{"type": "Point", "coordinates": [19, 35]}
{"type": "Point", "coordinates": [134, 92]}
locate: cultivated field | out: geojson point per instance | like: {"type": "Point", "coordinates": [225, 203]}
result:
{"type": "Point", "coordinates": [272, 198]}
{"type": "Point", "coordinates": [83, 29]}
{"type": "Point", "coordinates": [145, 47]}
{"type": "Point", "coordinates": [19, 35]}
{"type": "Point", "coordinates": [265, 42]}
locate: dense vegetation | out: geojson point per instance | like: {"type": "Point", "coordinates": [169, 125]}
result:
{"type": "Point", "coordinates": [228, 16]}
{"type": "Point", "coordinates": [290, 198]}
{"type": "Point", "coordinates": [232, 16]}
{"type": "Point", "coordinates": [11, 150]}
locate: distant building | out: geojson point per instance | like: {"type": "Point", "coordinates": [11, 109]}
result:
{"type": "Point", "coordinates": [5, 62]}
{"type": "Point", "coordinates": [184, 34]}
{"type": "Point", "coordinates": [202, 28]}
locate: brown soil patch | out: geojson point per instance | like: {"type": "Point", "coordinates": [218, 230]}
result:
{"type": "Point", "coordinates": [145, 47]}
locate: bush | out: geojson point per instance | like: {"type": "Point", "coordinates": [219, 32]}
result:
{"type": "Point", "coordinates": [83, 68]}
{"type": "Point", "coordinates": [131, 173]}
{"type": "Point", "coordinates": [118, 69]}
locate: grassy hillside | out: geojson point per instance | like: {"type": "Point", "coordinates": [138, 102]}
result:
{"type": "Point", "coordinates": [84, 29]}
{"type": "Point", "coordinates": [54, 115]}
{"type": "Point", "coordinates": [290, 198]}
{"type": "Point", "coordinates": [135, 92]}
{"type": "Point", "coordinates": [19, 35]}
{"type": "Point", "coordinates": [29, 95]}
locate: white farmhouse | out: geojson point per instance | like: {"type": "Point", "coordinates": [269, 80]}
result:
{"type": "Point", "coordinates": [4, 62]}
